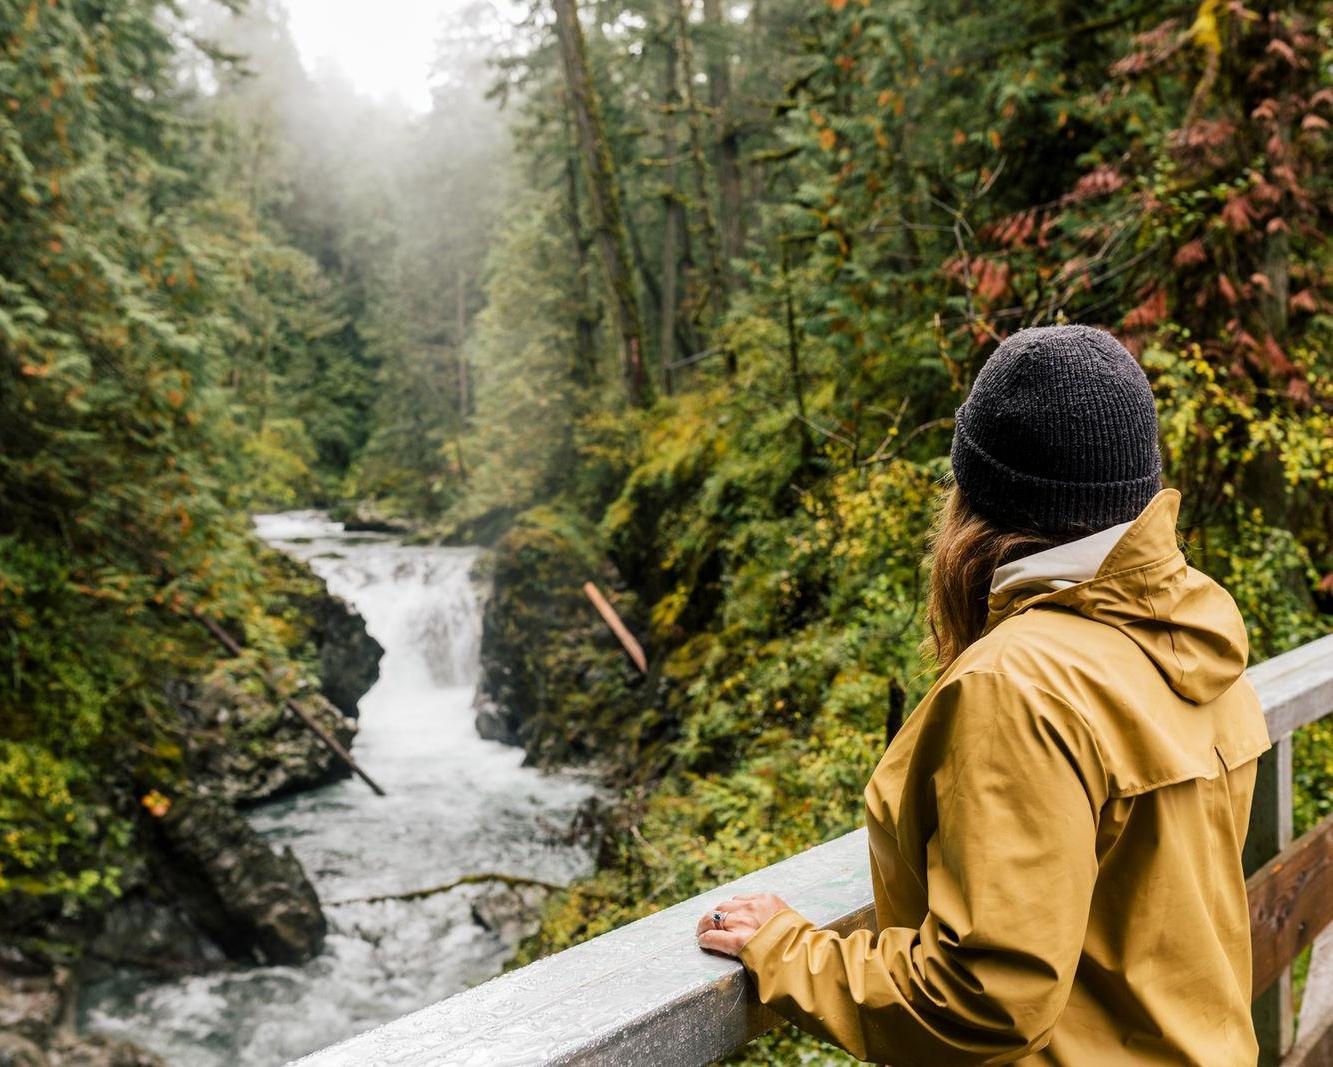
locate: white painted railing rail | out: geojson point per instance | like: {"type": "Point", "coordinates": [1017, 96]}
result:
{"type": "Point", "coordinates": [644, 994]}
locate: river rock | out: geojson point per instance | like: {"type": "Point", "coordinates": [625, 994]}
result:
{"type": "Point", "coordinates": [36, 1005]}
{"type": "Point", "coordinates": [31, 1005]}
{"type": "Point", "coordinates": [255, 903]}
{"type": "Point", "coordinates": [17, 1051]}
{"type": "Point", "coordinates": [494, 724]}
{"type": "Point", "coordinates": [364, 516]}
{"type": "Point", "coordinates": [151, 928]}
{"type": "Point", "coordinates": [512, 913]}
{"type": "Point", "coordinates": [349, 658]}
{"type": "Point", "coordinates": [246, 747]}
{"type": "Point", "coordinates": [98, 1050]}
{"type": "Point", "coordinates": [553, 677]}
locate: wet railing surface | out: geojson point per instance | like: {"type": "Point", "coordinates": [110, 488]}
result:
{"type": "Point", "coordinates": [645, 994]}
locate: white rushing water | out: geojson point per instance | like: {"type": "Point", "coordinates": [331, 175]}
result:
{"type": "Point", "coordinates": [456, 805]}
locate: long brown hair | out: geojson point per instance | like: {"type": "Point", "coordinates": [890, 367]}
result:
{"type": "Point", "coordinates": [965, 550]}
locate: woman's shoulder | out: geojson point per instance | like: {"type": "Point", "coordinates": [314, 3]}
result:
{"type": "Point", "coordinates": [1147, 733]}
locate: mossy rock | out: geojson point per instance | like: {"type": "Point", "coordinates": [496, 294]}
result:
{"type": "Point", "coordinates": [554, 678]}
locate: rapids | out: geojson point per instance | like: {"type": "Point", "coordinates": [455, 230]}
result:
{"type": "Point", "coordinates": [456, 805]}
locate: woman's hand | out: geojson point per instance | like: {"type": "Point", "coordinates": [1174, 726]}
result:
{"type": "Point", "coordinates": [732, 923]}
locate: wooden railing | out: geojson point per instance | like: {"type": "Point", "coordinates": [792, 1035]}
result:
{"type": "Point", "coordinates": [1291, 891]}
{"type": "Point", "coordinates": [644, 994]}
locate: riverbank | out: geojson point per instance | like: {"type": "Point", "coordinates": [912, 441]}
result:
{"type": "Point", "coordinates": [456, 806]}
{"type": "Point", "coordinates": [197, 887]}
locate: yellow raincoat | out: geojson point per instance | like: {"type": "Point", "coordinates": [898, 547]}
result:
{"type": "Point", "coordinates": [1055, 840]}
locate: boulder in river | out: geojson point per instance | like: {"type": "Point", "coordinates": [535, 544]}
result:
{"type": "Point", "coordinates": [349, 658]}
{"type": "Point", "coordinates": [150, 927]}
{"type": "Point", "coordinates": [254, 902]}
{"type": "Point", "coordinates": [512, 913]}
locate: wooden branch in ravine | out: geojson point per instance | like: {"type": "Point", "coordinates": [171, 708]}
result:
{"type": "Point", "coordinates": [609, 616]}
{"type": "Point", "coordinates": [513, 881]}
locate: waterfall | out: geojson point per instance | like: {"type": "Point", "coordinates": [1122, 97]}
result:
{"type": "Point", "coordinates": [456, 805]}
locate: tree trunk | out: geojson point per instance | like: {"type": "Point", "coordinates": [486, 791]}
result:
{"type": "Point", "coordinates": [673, 210]}
{"type": "Point", "coordinates": [717, 286]}
{"type": "Point", "coordinates": [603, 196]}
{"type": "Point", "coordinates": [460, 356]}
{"type": "Point", "coordinates": [585, 316]}
{"type": "Point", "coordinates": [729, 183]}
{"type": "Point", "coordinates": [794, 353]}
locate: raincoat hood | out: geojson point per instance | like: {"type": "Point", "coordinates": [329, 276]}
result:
{"type": "Point", "coordinates": [1184, 622]}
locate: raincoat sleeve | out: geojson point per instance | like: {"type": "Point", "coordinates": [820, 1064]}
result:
{"type": "Point", "coordinates": [1010, 875]}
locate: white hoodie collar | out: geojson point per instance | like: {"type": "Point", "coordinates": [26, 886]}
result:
{"type": "Point", "coordinates": [1061, 566]}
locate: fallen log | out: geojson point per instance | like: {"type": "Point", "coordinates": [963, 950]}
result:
{"type": "Point", "coordinates": [609, 616]}
{"type": "Point", "coordinates": [513, 881]}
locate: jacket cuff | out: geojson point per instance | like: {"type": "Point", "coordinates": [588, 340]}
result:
{"type": "Point", "coordinates": [770, 936]}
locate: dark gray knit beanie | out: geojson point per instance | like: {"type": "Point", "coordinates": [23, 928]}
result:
{"type": "Point", "coordinates": [1059, 433]}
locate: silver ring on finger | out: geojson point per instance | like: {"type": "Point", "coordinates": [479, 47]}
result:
{"type": "Point", "coordinates": [719, 920]}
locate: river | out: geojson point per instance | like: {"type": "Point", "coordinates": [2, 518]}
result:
{"type": "Point", "coordinates": [456, 805]}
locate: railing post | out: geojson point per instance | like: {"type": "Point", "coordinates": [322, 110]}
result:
{"type": "Point", "coordinates": [1270, 833]}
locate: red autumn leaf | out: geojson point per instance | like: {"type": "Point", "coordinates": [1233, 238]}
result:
{"type": "Point", "coordinates": [992, 280]}
{"type": "Point", "coordinates": [1189, 254]}
{"type": "Point", "coordinates": [1266, 111]}
{"type": "Point", "coordinates": [1326, 583]}
{"type": "Point", "coordinates": [1237, 214]}
{"type": "Point", "coordinates": [1277, 359]}
{"type": "Point", "coordinates": [1026, 224]}
{"type": "Point", "coordinates": [1314, 122]}
{"type": "Point", "coordinates": [1265, 192]}
{"type": "Point", "coordinates": [1209, 133]}
{"type": "Point", "coordinates": [1287, 177]}
{"type": "Point", "coordinates": [1099, 182]}
{"type": "Point", "coordinates": [1151, 311]}
{"type": "Point", "coordinates": [1276, 225]}
{"type": "Point", "coordinates": [1260, 280]}
{"type": "Point", "coordinates": [1131, 64]}
{"type": "Point", "coordinates": [157, 804]}
{"type": "Point", "coordinates": [1047, 224]}
{"type": "Point", "coordinates": [1227, 290]}
{"type": "Point", "coordinates": [1304, 301]}
{"type": "Point", "coordinates": [1281, 48]}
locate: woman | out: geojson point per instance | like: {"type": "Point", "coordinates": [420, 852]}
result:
{"type": "Point", "coordinates": [1055, 833]}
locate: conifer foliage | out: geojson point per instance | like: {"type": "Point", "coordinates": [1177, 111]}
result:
{"type": "Point", "coordinates": [150, 318]}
